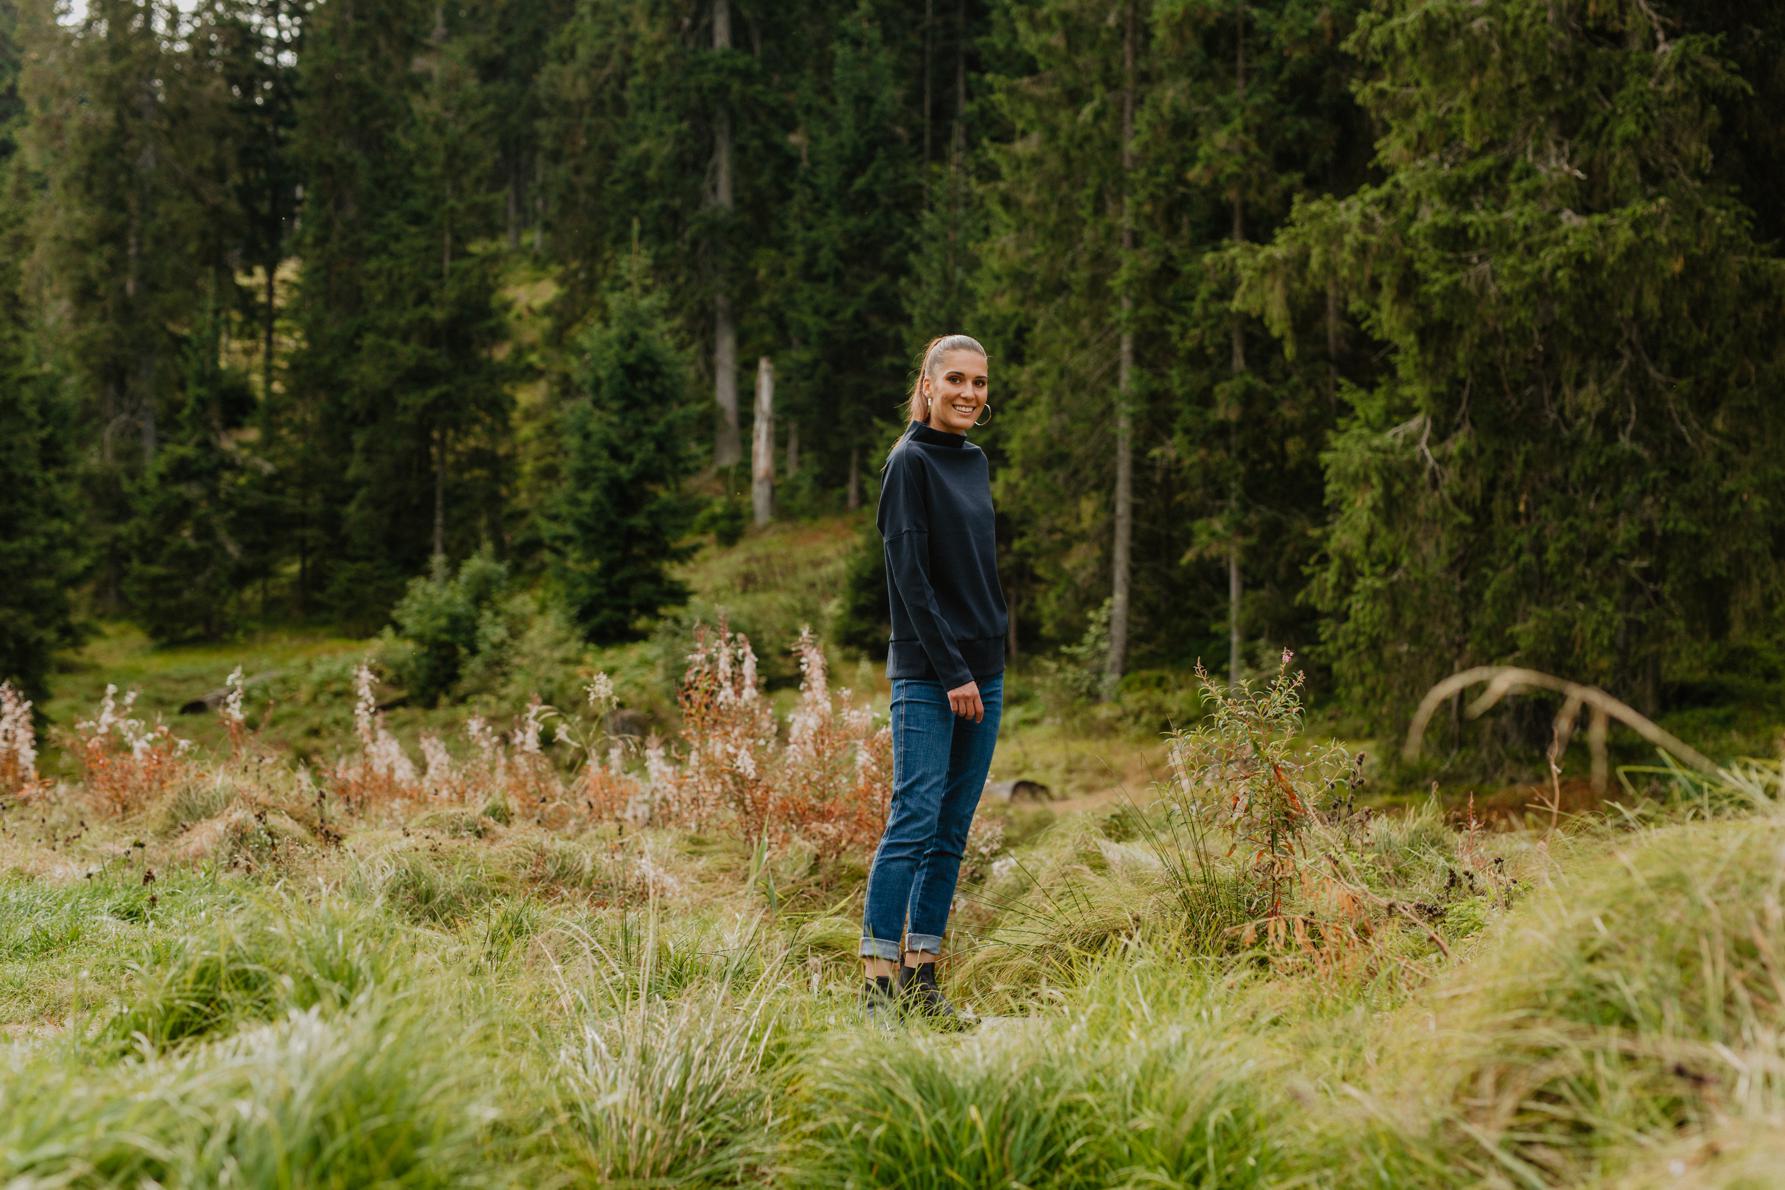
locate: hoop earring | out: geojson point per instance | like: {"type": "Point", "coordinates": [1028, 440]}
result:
{"type": "Point", "coordinates": [988, 410]}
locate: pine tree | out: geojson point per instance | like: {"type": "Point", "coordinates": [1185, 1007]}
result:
{"type": "Point", "coordinates": [665, 131]}
{"type": "Point", "coordinates": [186, 566]}
{"type": "Point", "coordinates": [397, 377]}
{"type": "Point", "coordinates": [355, 87]}
{"type": "Point", "coordinates": [1072, 299]}
{"type": "Point", "coordinates": [845, 255]}
{"type": "Point", "coordinates": [124, 131]}
{"type": "Point", "coordinates": [1257, 112]}
{"type": "Point", "coordinates": [630, 436]}
{"type": "Point", "coordinates": [37, 547]}
{"type": "Point", "coordinates": [1573, 463]}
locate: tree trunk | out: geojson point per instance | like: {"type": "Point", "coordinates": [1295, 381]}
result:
{"type": "Point", "coordinates": [515, 201]}
{"type": "Point", "coordinates": [268, 320]}
{"type": "Point", "coordinates": [1235, 577]}
{"type": "Point", "coordinates": [538, 203]}
{"type": "Point", "coordinates": [929, 16]}
{"type": "Point", "coordinates": [762, 444]}
{"type": "Point", "coordinates": [727, 446]}
{"type": "Point", "coordinates": [854, 498]}
{"type": "Point", "coordinates": [1010, 639]}
{"type": "Point", "coordinates": [793, 448]}
{"type": "Point", "coordinates": [440, 493]}
{"type": "Point", "coordinates": [1121, 560]}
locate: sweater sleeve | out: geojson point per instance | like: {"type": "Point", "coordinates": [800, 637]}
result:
{"type": "Point", "coordinates": [904, 525]}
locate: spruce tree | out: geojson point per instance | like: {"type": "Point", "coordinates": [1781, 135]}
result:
{"type": "Point", "coordinates": [1073, 304]}
{"type": "Point", "coordinates": [392, 432]}
{"type": "Point", "coordinates": [1573, 461]}
{"type": "Point", "coordinates": [123, 130]}
{"type": "Point", "coordinates": [857, 192]}
{"type": "Point", "coordinates": [630, 440]}
{"type": "Point", "coordinates": [355, 86]}
{"type": "Point", "coordinates": [186, 565]}
{"type": "Point", "coordinates": [37, 547]}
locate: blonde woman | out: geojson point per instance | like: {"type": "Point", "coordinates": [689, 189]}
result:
{"type": "Point", "coordinates": [946, 664]}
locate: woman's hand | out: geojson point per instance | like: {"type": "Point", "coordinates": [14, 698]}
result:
{"type": "Point", "coordinates": [965, 702]}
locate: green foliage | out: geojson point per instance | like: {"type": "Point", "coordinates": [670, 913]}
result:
{"type": "Point", "coordinates": [725, 518]}
{"type": "Point", "coordinates": [862, 620]}
{"type": "Point", "coordinates": [1546, 475]}
{"type": "Point", "coordinates": [844, 251]}
{"type": "Point", "coordinates": [37, 550]}
{"type": "Point", "coordinates": [186, 564]}
{"type": "Point", "coordinates": [619, 520]}
{"type": "Point", "coordinates": [1245, 768]}
{"type": "Point", "coordinates": [442, 619]}
{"type": "Point", "coordinates": [1039, 1106]}
{"type": "Point", "coordinates": [1075, 676]}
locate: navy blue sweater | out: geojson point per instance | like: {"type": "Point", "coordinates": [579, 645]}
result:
{"type": "Point", "coordinates": [948, 612]}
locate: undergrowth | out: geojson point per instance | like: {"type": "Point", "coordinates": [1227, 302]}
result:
{"type": "Point", "coordinates": [558, 955]}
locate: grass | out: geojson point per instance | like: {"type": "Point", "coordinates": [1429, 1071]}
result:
{"type": "Point", "coordinates": [236, 981]}
{"type": "Point", "coordinates": [425, 1004]}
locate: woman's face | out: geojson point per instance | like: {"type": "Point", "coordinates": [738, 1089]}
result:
{"type": "Point", "coordinates": [956, 387]}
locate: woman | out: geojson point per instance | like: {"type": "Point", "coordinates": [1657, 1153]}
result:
{"type": "Point", "coordinates": [946, 663]}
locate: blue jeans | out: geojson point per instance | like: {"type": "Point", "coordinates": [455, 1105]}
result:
{"type": "Point", "coordinates": [940, 761]}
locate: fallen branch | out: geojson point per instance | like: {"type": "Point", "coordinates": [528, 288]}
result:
{"type": "Point", "coordinates": [1503, 680]}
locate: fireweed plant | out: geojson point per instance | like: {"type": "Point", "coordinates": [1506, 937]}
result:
{"type": "Point", "coordinates": [822, 778]}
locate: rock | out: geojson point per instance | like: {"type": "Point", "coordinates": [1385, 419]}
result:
{"type": "Point", "coordinates": [1021, 789]}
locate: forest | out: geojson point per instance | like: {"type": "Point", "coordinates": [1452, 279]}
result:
{"type": "Point", "coordinates": [444, 729]}
{"type": "Point", "coordinates": [1414, 336]}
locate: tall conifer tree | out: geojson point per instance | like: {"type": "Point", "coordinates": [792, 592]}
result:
{"type": "Point", "coordinates": [1573, 463]}
{"type": "Point", "coordinates": [37, 548]}
{"type": "Point", "coordinates": [630, 440]}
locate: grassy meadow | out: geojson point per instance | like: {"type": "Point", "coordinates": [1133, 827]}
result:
{"type": "Point", "coordinates": [302, 938]}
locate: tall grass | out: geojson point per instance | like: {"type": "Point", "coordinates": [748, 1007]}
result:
{"type": "Point", "coordinates": [369, 1096]}
{"type": "Point", "coordinates": [1146, 1084]}
{"type": "Point", "coordinates": [1637, 998]}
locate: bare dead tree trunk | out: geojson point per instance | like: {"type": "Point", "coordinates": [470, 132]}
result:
{"type": "Point", "coordinates": [762, 444]}
{"type": "Point", "coordinates": [727, 446]}
{"type": "Point", "coordinates": [1121, 560]}
{"type": "Point", "coordinates": [1235, 576]}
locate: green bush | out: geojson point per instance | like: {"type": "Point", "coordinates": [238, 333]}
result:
{"type": "Point", "coordinates": [438, 620]}
{"type": "Point", "coordinates": [725, 518]}
{"type": "Point", "coordinates": [861, 619]}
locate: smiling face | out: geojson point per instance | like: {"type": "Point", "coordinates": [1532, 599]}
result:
{"type": "Point", "coordinates": [956, 389]}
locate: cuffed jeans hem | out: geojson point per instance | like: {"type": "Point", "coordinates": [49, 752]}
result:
{"type": "Point", "coordinates": [927, 942]}
{"type": "Point", "coordinates": [880, 948]}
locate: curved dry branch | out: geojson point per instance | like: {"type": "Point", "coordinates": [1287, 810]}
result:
{"type": "Point", "coordinates": [1502, 680]}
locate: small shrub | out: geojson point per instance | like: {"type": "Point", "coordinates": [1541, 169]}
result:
{"type": "Point", "coordinates": [438, 621]}
{"type": "Point", "coordinates": [725, 518]}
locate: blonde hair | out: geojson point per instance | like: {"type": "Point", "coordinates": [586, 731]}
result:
{"type": "Point", "coordinates": [932, 350]}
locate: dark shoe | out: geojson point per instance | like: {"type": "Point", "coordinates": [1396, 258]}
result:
{"type": "Point", "coordinates": [880, 1001]}
{"type": "Point", "coordinates": [919, 995]}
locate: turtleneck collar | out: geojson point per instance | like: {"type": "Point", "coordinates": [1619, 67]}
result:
{"type": "Point", "coordinates": [935, 437]}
